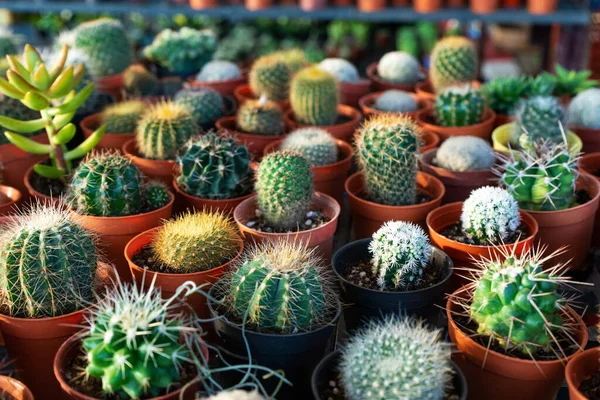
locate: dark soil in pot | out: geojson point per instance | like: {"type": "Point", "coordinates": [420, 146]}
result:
{"type": "Point", "coordinates": [51, 187]}
{"type": "Point", "coordinates": [313, 219]}
{"type": "Point", "coordinates": [456, 233]}
{"type": "Point", "coordinates": [590, 388]}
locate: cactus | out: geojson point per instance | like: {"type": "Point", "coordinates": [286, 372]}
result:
{"type": "Point", "coordinates": [284, 189]}
{"type": "Point", "coordinates": [397, 101]}
{"type": "Point", "coordinates": [270, 76]}
{"type": "Point", "coordinates": [400, 252]}
{"type": "Point", "coordinates": [504, 94]}
{"type": "Point", "coordinates": [48, 264]}
{"type": "Point", "coordinates": [164, 130]}
{"type": "Point", "coordinates": [453, 61]}
{"type": "Point", "coordinates": [196, 242]}
{"type": "Point", "coordinates": [490, 215]}
{"type": "Point", "coordinates": [219, 71]}
{"type": "Point", "coordinates": [141, 82]}
{"type": "Point", "coordinates": [214, 167]}
{"type": "Point", "coordinates": [459, 106]}
{"type": "Point", "coordinates": [465, 153]}
{"type": "Point", "coordinates": [396, 359]}
{"type": "Point", "coordinates": [205, 104]}
{"type": "Point", "coordinates": [123, 117]}
{"type": "Point", "coordinates": [399, 67]}
{"type": "Point", "coordinates": [343, 70]}
{"type": "Point", "coordinates": [13, 108]}
{"type": "Point", "coordinates": [314, 97]}
{"type": "Point", "coordinates": [314, 144]}
{"type": "Point", "coordinates": [260, 117]}
{"type": "Point", "coordinates": [295, 59]}
{"type": "Point", "coordinates": [584, 110]}
{"type": "Point", "coordinates": [540, 118]}
{"type": "Point", "coordinates": [156, 195]}
{"type": "Point", "coordinates": [388, 151]}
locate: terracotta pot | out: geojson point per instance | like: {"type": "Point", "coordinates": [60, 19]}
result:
{"type": "Point", "coordinates": [113, 85]}
{"type": "Point", "coordinates": [243, 93]}
{"type": "Point", "coordinates": [203, 4]}
{"type": "Point", "coordinates": [483, 6]}
{"type": "Point", "coordinates": [255, 143]}
{"type": "Point", "coordinates": [351, 92]}
{"type": "Point", "coordinates": [427, 6]}
{"type": "Point", "coordinates": [590, 164]}
{"type": "Point", "coordinates": [343, 131]}
{"type": "Point", "coordinates": [501, 140]}
{"type": "Point", "coordinates": [371, 5]}
{"type": "Point", "coordinates": [161, 170]}
{"type": "Point", "coordinates": [328, 179]}
{"type": "Point", "coordinates": [110, 140]}
{"type": "Point", "coordinates": [42, 198]}
{"type": "Point", "coordinates": [15, 162]}
{"type": "Point", "coordinates": [425, 91]}
{"type": "Point", "coordinates": [455, 3]}
{"type": "Point", "coordinates": [429, 140]}
{"type": "Point", "coordinates": [14, 199]}
{"type": "Point", "coordinates": [379, 84]}
{"type": "Point", "coordinates": [343, 2]}
{"type": "Point", "coordinates": [502, 119]}
{"type": "Point", "coordinates": [320, 238]}
{"type": "Point", "coordinates": [495, 376]}
{"type": "Point", "coordinates": [482, 130]}
{"type": "Point", "coordinates": [511, 3]}
{"type": "Point", "coordinates": [14, 389]}
{"type": "Point", "coordinates": [366, 105]}
{"type": "Point", "coordinates": [185, 201]}
{"type": "Point", "coordinates": [589, 137]}
{"type": "Point", "coordinates": [225, 87]}
{"type": "Point", "coordinates": [368, 216]}
{"type": "Point", "coordinates": [581, 368]}
{"type": "Point", "coordinates": [541, 6]}
{"type": "Point", "coordinates": [311, 5]}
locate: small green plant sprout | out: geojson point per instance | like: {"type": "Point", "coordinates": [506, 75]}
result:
{"type": "Point", "coordinates": [205, 104]}
{"type": "Point", "coordinates": [219, 70]}
{"type": "Point", "coordinates": [260, 117]}
{"type": "Point", "coordinates": [504, 94]}
{"type": "Point", "coordinates": [459, 106]}
{"type": "Point", "coordinates": [315, 144]}
{"type": "Point", "coordinates": [584, 110]}
{"type": "Point", "coordinates": [538, 119]}
{"type": "Point", "coordinates": [465, 153]}
{"type": "Point", "coordinates": [400, 252]}
{"type": "Point", "coordinates": [541, 85]}
{"type": "Point", "coordinates": [139, 81]}
{"type": "Point", "coordinates": [399, 67]}
{"type": "Point", "coordinates": [270, 76]}
{"type": "Point", "coordinates": [123, 117]}
{"type": "Point", "coordinates": [314, 97]}
{"type": "Point", "coordinates": [397, 101]}
{"type": "Point", "coordinates": [396, 359]}
{"type": "Point", "coordinates": [343, 70]}
{"type": "Point", "coordinates": [49, 91]}
{"type": "Point", "coordinates": [453, 61]}
{"type": "Point", "coordinates": [237, 395]}
{"type": "Point", "coordinates": [571, 83]}
{"type": "Point", "coordinates": [490, 215]}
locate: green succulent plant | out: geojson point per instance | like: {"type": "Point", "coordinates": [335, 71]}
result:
{"type": "Point", "coordinates": [205, 104]}
{"type": "Point", "coordinates": [14, 109]}
{"type": "Point", "coordinates": [459, 106]}
{"type": "Point", "coordinates": [123, 117]}
{"type": "Point", "coordinates": [504, 94]}
{"type": "Point", "coordinates": [571, 83]}
{"type": "Point", "coordinates": [138, 81]}
{"type": "Point", "coordinates": [314, 97]}
{"type": "Point", "coordinates": [453, 61]}
{"type": "Point", "coordinates": [541, 85]}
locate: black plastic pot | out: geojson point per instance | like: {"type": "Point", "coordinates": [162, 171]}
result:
{"type": "Point", "coordinates": [366, 304]}
{"type": "Point", "coordinates": [327, 371]}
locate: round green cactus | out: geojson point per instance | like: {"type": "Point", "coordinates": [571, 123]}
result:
{"type": "Point", "coordinates": [459, 106]}
{"type": "Point", "coordinates": [156, 195]}
{"type": "Point", "coordinates": [504, 94]}
{"type": "Point", "coordinates": [453, 61]}
{"type": "Point", "coordinates": [397, 101]}
{"type": "Point", "coordinates": [399, 67]}
{"type": "Point", "coordinates": [141, 82]}
{"type": "Point", "coordinates": [343, 70]}
{"type": "Point", "coordinates": [465, 153]}
{"type": "Point", "coordinates": [316, 145]}
{"type": "Point", "coordinates": [294, 58]}
{"type": "Point", "coordinates": [584, 109]}
{"type": "Point", "coordinates": [219, 71]}
{"type": "Point", "coordinates": [260, 117]}
{"type": "Point", "coordinates": [270, 76]}
{"type": "Point", "coordinates": [284, 188]}
{"type": "Point", "coordinates": [314, 97]}
{"type": "Point", "coordinates": [540, 118]}
{"type": "Point", "coordinates": [123, 117]}
{"type": "Point", "coordinates": [205, 104]}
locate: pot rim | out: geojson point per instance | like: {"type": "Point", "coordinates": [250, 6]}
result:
{"type": "Point", "coordinates": [342, 109]}
{"type": "Point", "coordinates": [6, 381]}
{"type": "Point", "coordinates": [342, 145]}
{"type": "Point", "coordinates": [488, 118]}
{"type": "Point", "coordinates": [130, 151]}
{"type": "Point", "coordinates": [573, 361]}
{"type": "Point", "coordinates": [459, 174]}
{"type": "Point", "coordinates": [183, 193]}
{"type": "Point", "coordinates": [366, 103]}
{"type": "Point", "coordinates": [16, 196]}
{"type": "Point", "coordinates": [125, 217]}
{"type": "Point", "coordinates": [220, 124]}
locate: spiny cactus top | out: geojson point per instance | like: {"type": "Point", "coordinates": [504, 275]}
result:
{"type": "Point", "coordinates": [218, 71]}
{"type": "Point", "coordinates": [260, 117]}
{"type": "Point", "coordinates": [399, 67]}
{"type": "Point", "coordinates": [387, 148]}
{"type": "Point", "coordinates": [504, 94]}
{"type": "Point", "coordinates": [490, 215]}
{"type": "Point", "coordinates": [395, 101]}
{"type": "Point", "coordinates": [396, 359]}
{"type": "Point", "coordinates": [343, 70]}
{"type": "Point", "coordinates": [138, 81]}
{"type": "Point", "coordinates": [465, 153]}
{"type": "Point", "coordinates": [584, 109]}
{"type": "Point", "coordinates": [314, 97]}
{"type": "Point", "coordinates": [123, 117]}
{"type": "Point", "coordinates": [270, 76]}
{"type": "Point", "coordinates": [459, 106]}
{"type": "Point", "coordinates": [540, 118]}
{"type": "Point", "coordinates": [316, 145]}
{"type": "Point", "coordinates": [453, 61]}
{"type": "Point", "coordinates": [47, 264]}
{"type": "Point", "coordinates": [400, 252]}
{"type": "Point", "coordinates": [205, 104]}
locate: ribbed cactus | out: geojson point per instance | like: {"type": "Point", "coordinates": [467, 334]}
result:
{"type": "Point", "coordinates": [214, 167]}
{"type": "Point", "coordinates": [396, 359]}
{"type": "Point", "coordinates": [399, 67]}
{"type": "Point", "coordinates": [504, 94]}
{"type": "Point", "coordinates": [540, 118]}
{"type": "Point", "coordinates": [123, 117]}
{"type": "Point", "coordinates": [219, 71]}
{"type": "Point", "coordinates": [164, 130]}
{"type": "Point", "coordinates": [453, 61]}
{"type": "Point", "coordinates": [284, 188]}
{"type": "Point", "coordinates": [397, 101]}
{"type": "Point", "coordinates": [584, 109]}
{"type": "Point", "coordinates": [260, 117]}
{"type": "Point", "coordinates": [314, 144]}
{"type": "Point", "coordinates": [13, 108]}
{"type": "Point", "coordinates": [295, 59]}
{"type": "Point", "coordinates": [205, 104]}
{"type": "Point", "coordinates": [314, 97]}
{"type": "Point", "coordinates": [139, 81]}
{"type": "Point", "coordinates": [155, 195]}
{"type": "Point", "coordinates": [400, 252]}
{"type": "Point", "coordinates": [47, 264]}
{"type": "Point", "coordinates": [459, 106]}
{"type": "Point", "coordinates": [388, 151]}
{"type": "Point", "coordinates": [465, 153]}
{"type": "Point", "coordinates": [343, 70]}
{"type": "Point", "coordinates": [270, 76]}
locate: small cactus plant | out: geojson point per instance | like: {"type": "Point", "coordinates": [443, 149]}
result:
{"type": "Point", "coordinates": [465, 153]}
{"type": "Point", "coordinates": [584, 110]}
{"type": "Point", "coordinates": [453, 61]}
{"type": "Point", "coordinates": [399, 67]}
{"type": "Point", "coordinates": [270, 76]}
{"type": "Point", "coordinates": [138, 81]}
{"type": "Point", "coordinates": [156, 195]}
{"type": "Point", "coordinates": [316, 145]}
{"type": "Point", "coordinates": [123, 117]}
{"type": "Point", "coordinates": [504, 94]}
{"type": "Point", "coordinates": [205, 104]}
{"type": "Point", "coordinates": [170, 85]}
{"type": "Point", "coordinates": [314, 97]}
{"type": "Point", "coordinates": [294, 58]}
{"type": "Point", "coordinates": [459, 106]}
{"type": "Point", "coordinates": [219, 71]}
{"type": "Point", "coordinates": [397, 101]}
{"type": "Point", "coordinates": [540, 118]}
{"type": "Point", "coordinates": [571, 83]}
{"type": "Point", "coordinates": [343, 70]}
{"type": "Point", "coordinates": [260, 117]}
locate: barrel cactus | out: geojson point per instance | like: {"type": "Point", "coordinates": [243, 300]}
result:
{"type": "Point", "coordinates": [138, 81]}
{"type": "Point", "coordinates": [260, 117]}
{"type": "Point", "coordinates": [459, 106]}
{"type": "Point", "coordinates": [465, 153]}
{"type": "Point", "coordinates": [123, 117]}
{"type": "Point", "coordinates": [155, 195]}
{"type": "Point", "coordinates": [540, 118]}
{"type": "Point", "coordinates": [314, 144]}
{"type": "Point", "coordinates": [388, 152]}
{"type": "Point", "coordinates": [584, 110]}
{"type": "Point", "coordinates": [399, 67]}
{"type": "Point", "coordinates": [453, 61]}
{"type": "Point", "coordinates": [294, 58]}
{"type": "Point", "coordinates": [270, 76]}
{"type": "Point", "coordinates": [219, 70]}
{"type": "Point", "coordinates": [284, 188]}
{"type": "Point", "coordinates": [397, 101]}
{"type": "Point", "coordinates": [314, 97]}
{"type": "Point", "coordinates": [504, 94]}
{"type": "Point", "coordinates": [343, 70]}
{"type": "Point", "coordinates": [205, 104]}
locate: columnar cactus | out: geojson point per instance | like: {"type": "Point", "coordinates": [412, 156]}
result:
{"type": "Point", "coordinates": [539, 118]}
{"type": "Point", "coordinates": [219, 71]}
{"type": "Point", "coordinates": [123, 117]}
{"type": "Point", "coordinates": [397, 101]}
{"type": "Point", "coordinates": [343, 70]}
{"type": "Point", "coordinates": [139, 81]}
{"type": "Point", "coordinates": [453, 61]}
{"type": "Point", "coordinates": [47, 264]}
{"type": "Point", "coordinates": [400, 252]}
{"type": "Point", "coordinates": [316, 145]}
{"type": "Point", "coordinates": [164, 130]}
{"type": "Point", "coordinates": [214, 167]}
{"type": "Point", "coordinates": [399, 67]}
{"type": "Point", "coordinates": [584, 109]}
{"type": "Point", "coordinates": [504, 94]}
{"type": "Point", "coordinates": [388, 151]}
{"type": "Point", "coordinates": [314, 97]}
{"type": "Point", "coordinates": [205, 104]}
{"type": "Point", "coordinates": [459, 106]}
{"type": "Point", "coordinates": [396, 359]}
{"type": "Point", "coordinates": [465, 153]}
{"type": "Point", "coordinates": [270, 76]}
{"type": "Point", "coordinates": [260, 117]}
{"type": "Point", "coordinates": [284, 189]}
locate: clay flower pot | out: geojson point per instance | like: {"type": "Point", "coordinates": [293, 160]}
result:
{"type": "Point", "coordinates": [482, 129]}
{"type": "Point", "coordinates": [366, 105]}
{"type": "Point", "coordinates": [541, 6]}
{"type": "Point", "coordinates": [371, 5]}
{"type": "Point", "coordinates": [429, 140]}
{"type": "Point", "coordinates": [110, 140]}
{"type": "Point", "coordinates": [311, 5]}
{"type": "Point", "coordinates": [484, 6]}
{"type": "Point", "coordinates": [258, 4]}
{"type": "Point", "coordinates": [12, 199]}
{"type": "Point", "coordinates": [502, 119]}
{"type": "Point", "coordinates": [112, 85]}
{"type": "Point", "coordinates": [225, 87]}
{"type": "Point", "coordinates": [14, 389]}
{"type": "Point", "coordinates": [590, 164]}
{"type": "Point", "coordinates": [161, 170]}
{"type": "Point", "coordinates": [203, 4]}
{"type": "Point", "coordinates": [243, 93]}
{"type": "Point", "coordinates": [590, 138]}
{"type": "Point", "coordinates": [427, 6]}
{"type": "Point", "coordinates": [255, 143]}
{"type": "Point", "coordinates": [15, 162]}
{"type": "Point", "coordinates": [511, 3]}
{"type": "Point", "coordinates": [320, 237]}
{"type": "Point", "coordinates": [343, 130]}
{"type": "Point", "coordinates": [38, 195]}
{"type": "Point", "coordinates": [368, 216]}
{"type": "Point", "coordinates": [495, 376]}
{"type": "Point", "coordinates": [185, 201]}
{"type": "Point", "coordinates": [580, 368]}
{"type": "Point", "coordinates": [379, 84]}
{"type": "Point", "coordinates": [328, 179]}
{"type": "Point", "coordinates": [351, 92]}
{"type": "Point", "coordinates": [501, 140]}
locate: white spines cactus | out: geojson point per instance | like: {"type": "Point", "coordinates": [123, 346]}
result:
{"type": "Point", "coordinates": [342, 69]}
{"type": "Point", "coordinates": [399, 67]}
{"type": "Point", "coordinates": [396, 359]}
{"type": "Point", "coordinates": [315, 144]}
{"type": "Point", "coordinates": [399, 253]}
{"type": "Point", "coordinates": [218, 70]}
{"type": "Point", "coordinates": [465, 153]}
{"type": "Point", "coordinates": [584, 109]}
{"type": "Point", "coordinates": [490, 215]}
{"type": "Point", "coordinates": [237, 395]}
{"type": "Point", "coordinates": [395, 101]}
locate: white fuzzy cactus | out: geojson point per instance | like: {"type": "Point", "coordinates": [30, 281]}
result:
{"type": "Point", "coordinates": [465, 153]}
{"type": "Point", "coordinates": [584, 109]}
{"type": "Point", "coordinates": [400, 251]}
{"type": "Point", "coordinates": [218, 70]}
{"type": "Point", "coordinates": [315, 144]}
{"type": "Point", "coordinates": [237, 395]}
{"type": "Point", "coordinates": [490, 215]}
{"type": "Point", "coordinates": [399, 67]}
{"type": "Point", "coordinates": [395, 101]}
{"type": "Point", "coordinates": [396, 359]}
{"type": "Point", "coordinates": [343, 70]}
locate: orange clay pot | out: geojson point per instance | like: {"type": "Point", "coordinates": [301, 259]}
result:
{"type": "Point", "coordinates": [481, 130]}
{"type": "Point", "coordinates": [14, 389]}
{"type": "Point", "coordinates": [589, 164]}
{"type": "Point", "coordinates": [343, 131]}
{"type": "Point", "coordinates": [185, 201]}
{"type": "Point", "coordinates": [161, 170]}
{"type": "Point", "coordinates": [203, 4]}
{"type": "Point", "coordinates": [225, 87]}
{"type": "Point", "coordinates": [541, 6]}
{"type": "Point", "coordinates": [484, 6]}
{"type": "Point", "coordinates": [328, 179]}
{"type": "Point", "coordinates": [580, 368]}
{"type": "Point", "coordinates": [255, 143]}
{"type": "Point", "coordinates": [429, 140]}
{"type": "Point", "coordinates": [243, 93]}
{"type": "Point", "coordinates": [15, 162]}
{"type": "Point", "coordinates": [379, 84]}
{"type": "Point", "coordinates": [502, 119]}
{"type": "Point", "coordinates": [589, 137]}
{"type": "Point", "coordinates": [258, 4]}
{"type": "Point", "coordinates": [14, 198]}
{"type": "Point", "coordinates": [368, 216]}
{"type": "Point", "coordinates": [311, 5]}
{"type": "Point", "coordinates": [110, 140]}
{"type": "Point", "coordinates": [113, 85]}
{"type": "Point", "coordinates": [366, 105]}
{"type": "Point", "coordinates": [351, 92]}
{"type": "Point", "coordinates": [320, 237]}
{"type": "Point", "coordinates": [42, 198]}
{"type": "Point", "coordinates": [427, 6]}
{"type": "Point", "coordinates": [371, 5]}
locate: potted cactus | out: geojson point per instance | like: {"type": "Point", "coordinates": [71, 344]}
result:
{"type": "Point", "coordinates": [503, 95]}
{"type": "Point", "coordinates": [139, 82]}
{"type": "Point", "coordinates": [388, 185]}
{"type": "Point", "coordinates": [350, 85]}
{"type": "Point", "coordinates": [397, 271]}
{"type": "Point", "coordinates": [222, 76]}
{"type": "Point", "coordinates": [270, 76]}
{"type": "Point", "coordinates": [396, 70]}
{"type": "Point", "coordinates": [583, 119]}
{"type": "Point", "coordinates": [516, 341]}
{"type": "Point", "coordinates": [392, 101]}
{"type": "Point", "coordinates": [581, 374]}
{"type": "Point", "coordinates": [205, 104]}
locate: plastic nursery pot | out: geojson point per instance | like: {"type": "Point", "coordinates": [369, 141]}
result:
{"type": "Point", "coordinates": [255, 143]}
{"type": "Point", "coordinates": [344, 130]}
{"type": "Point", "coordinates": [328, 179]}
{"type": "Point", "coordinates": [311, 5]}
{"type": "Point", "coordinates": [161, 170]}
{"type": "Point", "coordinates": [371, 5]}
{"type": "Point", "coordinates": [459, 185]}
{"type": "Point", "coordinates": [495, 376]}
{"type": "Point", "coordinates": [243, 93]}
{"type": "Point", "coordinates": [590, 138]}
{"type": "Point", "coordinates": [366, 105]}
{"type": "Point", "coordinates": [365, 305]}
{"type": "Point", "coordinates": [482, 129]}
{"type": "Point", "coordinates": [203, 4]}
{"type": "Point", "coordinates": [225, 87]}
{"type": "Point", "coordinates": [379, 84]}
{"type": "Point", "coordinates": [501, 140]}
{"type": "Point", "coordinates": [185, 201]}
{"type": "Point", "coordinates": [541, 6]}
{"type": "Point", "coordinates": [14, 389]}
{"type": "Point", "coordinates": [427, 6]}
{"type": "Point", "coordinates": [15, 162]}
{"type": "Point", "coordinates": [112, 85]}
{"type": "Point", "coordinates": [320, 237]}
{"type": "Point", "coordinates": [9, 199]}
{"type": "Point", "coordinates": [368, 216]}
{"type": "Point", "coordinates": [110, 140]}
{"type": "Point", "coordinates": [351, 92]}
{"type": "Point", "coordinates": [484, 6]}
{"type": "Point", "coordinates": [590, 164]}
{"type": "Point", "coordinates": [580, 368]}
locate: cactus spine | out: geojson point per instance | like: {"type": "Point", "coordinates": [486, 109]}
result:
{"type": "Point", "coordinates": [314, 97]}
{"type": "Point", "coordinates": [270, 76]}
{"type": "Point", "coordinates": [453, 61]}
{"type": "Point", "coordinates": [123, 117]}
{"type": "Point", "coordinates": [314, 144]}
{"type": "Point", "coordinates": [459, 106]}
{"type": "Point", "coordinates": [465, 153]}
{"type": "Point", "coordinates": [260, 117]}
{"type": "Point", "coordinates": [205, 104]}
